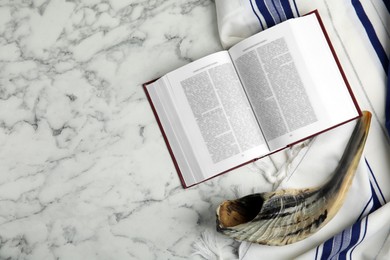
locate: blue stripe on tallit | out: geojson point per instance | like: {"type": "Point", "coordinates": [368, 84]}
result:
{"type": "Point", "coordinates": [254, 11]}
{"type": "Point", "coordinates": [342, 245]}
{"type": "Point", "coordinates": [379, 49]}
{"type": "Point", "coordinates": [345, 242]}
{"type": "Point", "coordinates": [370, 31]}
{"type": "Point", "coordinates": [279, 9]}
{"type": "Point", "coordinates": [375, 184]}
{"type": "Point", "coordinates": [352, 246]}
{"type": "Point", "coordinates": [273, 11]}
{"type": "Point", "coordinates": [288, 9]}
{"type": "Point", "coordinates": [339, 246]}
{"type": "Point", "coordinates": [375, 199]}
{"type": "Point", "coordinates": [387, 106]}
{"type": "Point", "coordinates": [265, 13]}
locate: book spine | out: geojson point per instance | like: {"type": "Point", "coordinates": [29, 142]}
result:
{"type": "Point", "coordinates": [163, 133]}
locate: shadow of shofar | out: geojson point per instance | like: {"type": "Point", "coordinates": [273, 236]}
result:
{"type": "Point", "coordinates": [287, 216]}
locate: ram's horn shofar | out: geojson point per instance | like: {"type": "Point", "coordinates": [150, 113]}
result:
{"type": "Point", "coordinates": [287, 216]}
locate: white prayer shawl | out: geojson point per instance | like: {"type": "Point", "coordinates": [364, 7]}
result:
{"type": "Point", "coordinates": [359, 31]}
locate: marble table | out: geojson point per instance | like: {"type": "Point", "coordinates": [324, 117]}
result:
{"type": "Point", "coordinates": [84, 170]}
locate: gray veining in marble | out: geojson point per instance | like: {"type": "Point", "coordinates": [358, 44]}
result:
{"type": "Point", "coordinates": [84, 170]}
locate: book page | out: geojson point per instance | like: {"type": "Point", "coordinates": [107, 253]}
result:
{"type": "Point", "coordinates": [215, 115]}
{"type": "Point", "coordinates": [169, 119]}
{"type": "Point", "coordinates": [292, 81]}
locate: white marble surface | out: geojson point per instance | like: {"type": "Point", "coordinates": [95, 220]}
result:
{"type": "Point", "coordinates": [84, 170]}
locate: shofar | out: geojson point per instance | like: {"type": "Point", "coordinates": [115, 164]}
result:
{"type": "Point", "coordinates": [287, 216]}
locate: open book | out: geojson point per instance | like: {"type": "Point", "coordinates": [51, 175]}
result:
{"type": "Point", "coordinates": [269, 91]}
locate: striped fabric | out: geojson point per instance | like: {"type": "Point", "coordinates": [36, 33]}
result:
{"type": "Point", "coordinates": [387, 3]}
{"type": "Point", "coordinates": [378, 47]}
{"type": "Point", "coordinates": [271, 12]}
{"type": "Point", "coordinates": [387, 109]}
{"type": "Point", "coordinates": [371, 33]}
{"type": "Point", "coordinates": [360, 31]}
{"type": "Point", "coordinates": [342, 245]}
